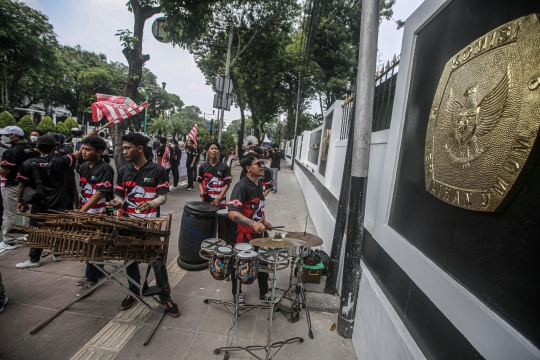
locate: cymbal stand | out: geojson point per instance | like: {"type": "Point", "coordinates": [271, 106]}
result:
{"type": "Point", "coordinates": [269, 345]}
{"type": "Point", "coordinates": [299, 301]}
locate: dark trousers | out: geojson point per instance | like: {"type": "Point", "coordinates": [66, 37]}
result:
{"type": "Point", "coordinates": [35, 254]}
{"type": "Point", "coordinates": [162, 279]}
{"type": "Point", "coordinates": [191, 174]}
{"type": "Point", "coordinates": [175, 174]}
{"type": "Point", "coordinates": [168, 174]}
{"type": "Point", "coordinates": [92, 273]}
{"type": "Point", "coordinates": [71, 195]}
{"type": "Point", "coordinates": [262, 279]}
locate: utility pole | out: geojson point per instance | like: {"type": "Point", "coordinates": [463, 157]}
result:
{"type": "Point", "coordinates": [365, 93]}
{"type": "Point", "coordinates": [296, 121]}
{"type": "Point", "coordinates": [227, 65]}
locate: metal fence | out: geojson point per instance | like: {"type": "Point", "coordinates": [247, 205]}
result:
{"type": "Point", "coordinates": [385, 88]}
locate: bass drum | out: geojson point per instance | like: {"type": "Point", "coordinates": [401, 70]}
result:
{"type": "Point", "coordinates": [198, 224]}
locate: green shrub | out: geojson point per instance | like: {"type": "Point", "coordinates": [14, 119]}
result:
{"type": "Point", "coordinates": [46, 125]}
{"type": "Point", "coordinates": [62, 129]}
{"type": "Point", "coordinates": [27, 125]}
{"type": "Point", "coordinates": [6, 119]}
{"type": "Point", "coordinates": [71, 123]}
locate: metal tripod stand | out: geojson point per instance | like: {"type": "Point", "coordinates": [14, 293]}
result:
{"type": "Point", "coordinates": [296, 288]}
{"type": "Point", "coordinates": [269, 345]}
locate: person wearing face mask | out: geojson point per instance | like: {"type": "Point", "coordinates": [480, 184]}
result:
{"type": "Point", "coordinates": [34, 134]}
{"type": "Point", "coordinates": [176, 155]}
{"type": "Point", "coordinates": [12, 160]}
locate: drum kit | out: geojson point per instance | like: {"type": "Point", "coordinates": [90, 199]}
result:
{"type": "Point", "coordinates": [243, 262]}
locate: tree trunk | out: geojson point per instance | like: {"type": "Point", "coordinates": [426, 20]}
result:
{"type": "Point", "coordinates": [242, 116]}
{"type": "Point", "coordinates": [136, 60]}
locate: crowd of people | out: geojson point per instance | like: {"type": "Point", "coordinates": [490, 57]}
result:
{"type": "Point", "coordinates": [39, 175]}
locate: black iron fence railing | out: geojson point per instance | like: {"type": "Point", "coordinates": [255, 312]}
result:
{"type": "Point", "coordinates": [385, 89]}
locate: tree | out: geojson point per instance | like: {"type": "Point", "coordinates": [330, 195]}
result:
{"type": "Point", "coordinates": [28, 47]}
{"type": "Point", "coordinates": [61, 128]}
{"type": "Point", "coordinates": [70, 123]}
{"type": "Point", "coordinates": [46, 125]}
{"type": "Point", "coordinates": [6, 119]}
{"type": "Point", "coordinates": [27, 125]}
{"type": "Point", "coordinates": [159, 126]}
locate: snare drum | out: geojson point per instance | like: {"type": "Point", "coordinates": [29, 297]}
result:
{"type": "Point", "coordinates": [222, 262]}
{"type": "Point", "coordinates": [207, 247]}
{"type": "Point", "coordinates": [248, 266]}
{"type": "Point", "coordinates": [266, 259]}
{"type": "Point", "coordinates": [242, 247]}
{"type": "Point", "coordinates": [223, 224]}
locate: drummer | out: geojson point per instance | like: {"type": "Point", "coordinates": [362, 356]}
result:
{"type": "Point", "coordinates": [266, 180]}
{"type": "Point", "coordinates": [246, 209]}
{"type": "Point", "coordinates": [214, 177]}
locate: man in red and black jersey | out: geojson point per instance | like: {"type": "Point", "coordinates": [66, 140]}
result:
{"type": "Point", "coordinates": [266, 178]}
{"type": "Point", "coordinates": [191, 162]}
{"type": "Point", "coordinates": [96, 188]}
{"type": "Point", "coordinates": [140, 190]}
{"type": "Point", "coordinates": [246, 209]}
{"type": "Point", "coordinates": [12, 159]}
{"type": "Point", "coordinates": [214, 177]}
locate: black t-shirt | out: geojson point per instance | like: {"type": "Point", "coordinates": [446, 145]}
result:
{"type": "Point", "coordinates": [137, 186]}
{"type": "Point", "coordinates": [13, 158]}
{"type": "Point", "coordinates": [148, 153]}
{"type": "Point", "coordinates": [275, 160]}
{"type": "Point", "coordinates": [247, 198]}
{"type": "Point", "coordinates": [214, 179]}
{"type": "Point", "coordinates": [266, 179]}
{"type": "Point", "coordinates": [52, 170]}
{"type": "Point", "coordinates": [192, 153]}
{"type": "Point", "coordinates": [175, 151]}
{"type": "Point", "coordinates": [98, 178]}
{"type": "Point", "coordinates": [70, 175]}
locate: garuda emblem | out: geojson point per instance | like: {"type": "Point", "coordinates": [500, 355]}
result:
{"type": "Point", "coordinates": [484, 119]}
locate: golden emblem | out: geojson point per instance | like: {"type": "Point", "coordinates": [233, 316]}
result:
{"type": "Point", "coordinates": [485, 118]}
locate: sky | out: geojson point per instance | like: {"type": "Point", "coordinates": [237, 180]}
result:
{"type": "Point", "coordinates": [93, 24]}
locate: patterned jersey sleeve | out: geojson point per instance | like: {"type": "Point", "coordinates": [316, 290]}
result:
{"type": "Point", "coordinates": [200, 177]}
{"type": "Point", "coordinates": [237, 198]}
{"type": "Point", "coordinates": [105, 179]}
{"type": "Point", "coordinates": [24, 173]}
{"type": "Point", "coordinates": [227, 179]}
{"type": "Point", "coordinates": [119, 187]}
{"type": "Point", "coordinates": [162, 181]}
{"type": "Point", "coordinates": [65, 161]}
{"type": "Point", "coordinates": [9, 159]}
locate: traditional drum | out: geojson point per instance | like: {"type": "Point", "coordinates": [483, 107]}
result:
{"type": "Point", "coordinates": [223, 224]}
{"type": "Point", "coordinates": [248, 266]}
{"type": "Point", "coordinates": [198, 224]}
{"type": "Point", "coordinates": [207, 247]}
{"type": "Point", "coordinates": [266, 259]}
{"type": "Point", "coordinates": [222, 262]}
{"type": "Point", "coordinates": [242, 247]}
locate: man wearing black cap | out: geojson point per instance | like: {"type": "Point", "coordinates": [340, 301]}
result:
{"type": "Point", "coordinates": [12, 159]}
{"type": "Point", "coordinates": [52, 171]}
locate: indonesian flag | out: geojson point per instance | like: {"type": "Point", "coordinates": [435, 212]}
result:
{"type": "Point", "coordinates": [115, 108]}
{"type": "Point", "coordinates": [194, 135]}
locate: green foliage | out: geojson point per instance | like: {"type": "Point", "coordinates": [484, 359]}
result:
{"type": "Point", "coordinates": [126, 38]}
{"type": "Point", "coordinates": [27, 125]}
{"type": "Point", "coordinates": [6, 119]}
{"type": "Point", "coordinates": [159, 126]}
{"type": "Point", "coordinates": [61, 128]}
{"type": "Point", "coordinates": [70, 123]}
{"type": "Point", "coordinates": [46, 125]}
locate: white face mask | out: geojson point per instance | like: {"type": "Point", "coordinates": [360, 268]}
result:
{"type": "Point", "coordinates": [33, 139]}
{"type": "Point", "coordinates": [6, 139]}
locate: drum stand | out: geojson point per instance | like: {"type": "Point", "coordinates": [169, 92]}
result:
{"type": "Point", "coordinates": [269, 345]}
{"type": "Point", "coordinates": [299, 301]}
{"type": "Point", "coordinates": [117, 269]}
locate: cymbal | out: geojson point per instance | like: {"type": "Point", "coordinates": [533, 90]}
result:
{"type": "Point", "coordinates": [310, 239]}
{"type": "Point", "coordinates": [273, 243]}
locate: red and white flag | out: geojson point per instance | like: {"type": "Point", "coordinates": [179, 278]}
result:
{"type": "Point", "coordinates": [115, 108]}
{"type": "Point", "coordinates": [194, 135]}
{"type": "Point", "coordinates": [166, 159]}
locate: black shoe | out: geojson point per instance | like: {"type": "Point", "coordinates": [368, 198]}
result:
{"type": "Point", "coordinates": [127, 302]}
{"type": "Point", "coordinates": [265, 298]}
{"type": "Point", "coordinates": [3, 303]}
{"type": "Point", "coordinates": [172, 309]}
{"type": "Point", "coordinates": [86, 287]}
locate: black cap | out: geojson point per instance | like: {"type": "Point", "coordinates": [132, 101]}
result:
{"type": "Point", "coordinates": [46, 140]}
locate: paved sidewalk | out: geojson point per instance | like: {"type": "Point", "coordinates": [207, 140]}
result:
{"type": "Point", "coordinates": [94, 328]}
